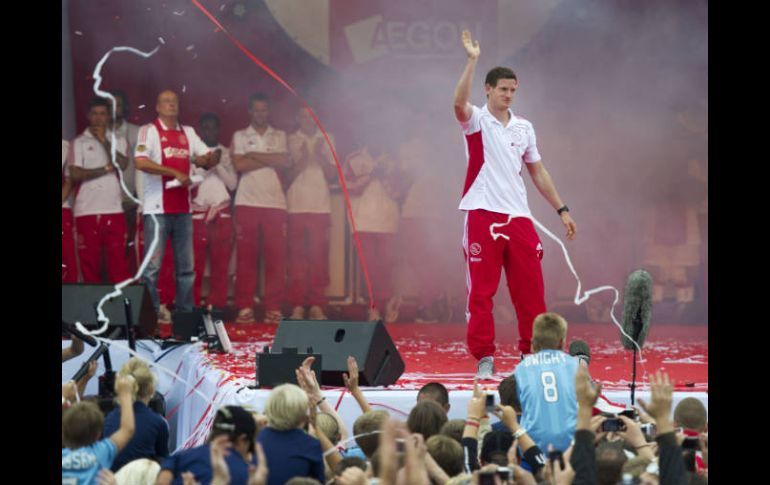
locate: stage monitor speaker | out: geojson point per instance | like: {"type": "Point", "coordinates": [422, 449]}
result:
{"type": "Point", "coordinates": [379, 363]}
{"type": "Point", "coordinates": [186, 325]}
{"type": "Point", "coordinates": [79, 301]}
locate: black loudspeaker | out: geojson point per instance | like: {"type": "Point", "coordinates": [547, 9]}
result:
{"type": "Point", "coordinates": [379, 363]}
{"type": "Point", "coordinates": [276, 369]}
{"type": "Point", "coordinates": [185, 325]}
{"type": "Point", "coordinates": [79, 301]}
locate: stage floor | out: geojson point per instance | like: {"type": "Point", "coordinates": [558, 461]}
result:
{"type": "Point", "coordinates": [437, 352]}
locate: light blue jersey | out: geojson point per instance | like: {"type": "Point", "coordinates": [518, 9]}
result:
{"type": "Point", "coordinates": [80, 466]}
{"type": "Point", "coordinates": [545, 383]}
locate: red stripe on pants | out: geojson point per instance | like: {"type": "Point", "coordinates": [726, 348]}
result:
{"type": "Point", "coordinates": [105, 232]}
{"type": "Point", "coordinates": [217, 237]}
{"type": "Point", "coordinates": [308, 258]}
{"type": "Point", "coordinates": [69, 268]}
{"type": "Point", "coordinates": [250, 223]}
{"type": "Point", "coordinates": [485, 258]}
{"type": "Point", "coordinates": [378, 248]}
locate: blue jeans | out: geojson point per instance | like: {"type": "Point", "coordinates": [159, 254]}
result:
{"type": "Point", "coordinates": [179, 228]}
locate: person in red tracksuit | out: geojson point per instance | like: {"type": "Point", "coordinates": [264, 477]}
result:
{"type": "Point", "coordinates": [212, 219]}
{"type": "Point", "coordinates": [309, 207]}
{"type": "Point", "coordinates": [259, 152]}
{"type": "Point", "coordinates": [69, 267]}
{"type": "Point", "coordinates": [499, 232]}
{"type": "Point", "coordinates": [99, 218]}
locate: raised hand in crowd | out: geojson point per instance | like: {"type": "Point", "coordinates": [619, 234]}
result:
{"type": "Point", "coordinates": [75, 349]}
{"type": "Point", "coordinates": [556, 475]}
{"type": "Point", "coordinates": [351, 382]}
{"type": "Point", "coordinates": [634, 437]}
{"type": "Point", "coordinates": [219, 447]}
{"type": "Point", "coordinates": [661, 398]}
{"type": "Point", "coordinates": [258, 474]}
{"type": "Point", "coordinates": [415, 470]}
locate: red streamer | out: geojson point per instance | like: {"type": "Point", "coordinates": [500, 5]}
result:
{"type": "Point", "coordinates": [312, 114]}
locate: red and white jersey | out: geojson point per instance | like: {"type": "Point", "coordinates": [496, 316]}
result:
{"type": "Point", "coordinates": [261, 187]}
{"type": "Point", "coordinates": [496, 156]}
{"type": "Point", "coordinates": [100, 195]}
{"type": "Point", "coordinates": [374, 210]}
{"type": "Point", "coordinates": [65, 146]}
{"type": "Point", "coordinates": [309, 192]}
{"type": "Point", "coordinates": [213, 191]}
{"type": "Point", "coordinates": [171, 148]}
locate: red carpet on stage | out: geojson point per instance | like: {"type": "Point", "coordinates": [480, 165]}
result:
{"type": "Point", "coordinates": [437, 352]}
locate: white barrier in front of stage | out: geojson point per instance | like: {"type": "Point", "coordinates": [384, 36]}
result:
{"type": "Point", "coordinates": [190, 416]}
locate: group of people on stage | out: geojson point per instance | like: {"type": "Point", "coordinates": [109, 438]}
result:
{"type": "Point", "coordinates": [266, 198]}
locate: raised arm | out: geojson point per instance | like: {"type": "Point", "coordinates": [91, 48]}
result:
{"type": "Point", "coordinates": [123, 388]}
{"type": "Point", "coordinates": [462, 106]}
{"type": "Point", "coordinates": [351, 382]}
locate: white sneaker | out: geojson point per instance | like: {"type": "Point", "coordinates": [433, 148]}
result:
{"type": "Point", "coordinates": [298, 313]}
{"type": "Point", "coordinates": [164, 315]}
{"type": "Point", "coordinates": [486, 368]}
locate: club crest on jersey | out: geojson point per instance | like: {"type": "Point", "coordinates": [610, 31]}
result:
{"type": "Point", "coordinates": [163, 139]}
{"type": "Point", "coordinates": [475, 249]}
{"type": "Point", "coordinates": [539, 250]}
{"type": "Point", "coordinates": [182, 139]}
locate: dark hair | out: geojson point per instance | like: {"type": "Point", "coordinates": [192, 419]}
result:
{"type": "Point", "coordinates": [691, 414]}
{"type": "Point", "coordinates": [257, 97]}
{"type": "Point", "coordinates": [498, 73]}
{"type": "Point", "coordinates": [117, 93]}
{"type": "Point", "coordinates": [508, 395]}
{"type": "Point", "coordinates": [494, 448]}
{"type": "Point", "coordinates": [209, 117]}
{"type": "Point", "coordinates": [234, 421]}
{"type": "Point", "coordinates": [426, 418]}
{"type": "Point", "coordinates": [435, 391]}
{"type": "Point", "coordinates": [99, 101]}
{"type": "Point", "coordinates": [348, 462]}
{"type": "Point", "coordinates": [610, 459]}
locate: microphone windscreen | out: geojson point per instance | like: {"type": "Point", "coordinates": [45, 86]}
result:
{"type": "Point", "coordinates": [637, 308]}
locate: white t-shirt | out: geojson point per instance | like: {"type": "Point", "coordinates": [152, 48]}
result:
{"type": "Point", "coordinates": [65, 173]}
{"type": "Point", "coordinates": [421, 200]}
{"type": "Point", "coordinates": [261, 187]}
{"type": "Point", "coordinates": [496, 155]}
{"type": "Point", "coordinates": [100, 195]}
{"type": "Point", "coordinates": [213, 191]}
{"type": "Point", "coordinates": [148, 146]}
{"type": "Point", "coordinates": [309, 192]}
{"type": "Point", "coordinates": [374, 210]}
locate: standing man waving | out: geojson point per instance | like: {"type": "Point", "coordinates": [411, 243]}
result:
{"type": "Point", "coordinates": [498, 224]}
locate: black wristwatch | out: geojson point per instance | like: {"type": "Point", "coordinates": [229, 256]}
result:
{"type": "Point", "coordinates": [562, 209]}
